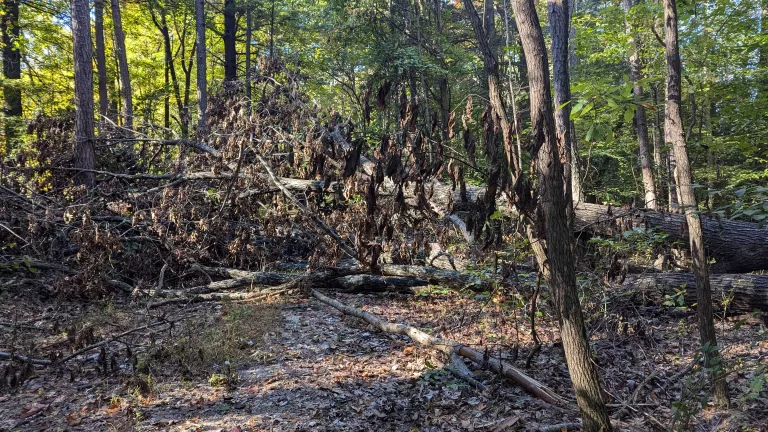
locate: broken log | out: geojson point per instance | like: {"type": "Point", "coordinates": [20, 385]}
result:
{"type": "Point", "coordinates": [737, 247]}
{"type": "Point", "coordinates": [448, 278]}
{"type": "Point", "coordinates": [449, 348]}
{"type": "Point", "coordinates": [740, 293]}
{"type": "Point", "coordinates": [373, 283]}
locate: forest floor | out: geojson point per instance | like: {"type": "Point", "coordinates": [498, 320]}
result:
{"type": "Point", "coordinates": [300, 365]}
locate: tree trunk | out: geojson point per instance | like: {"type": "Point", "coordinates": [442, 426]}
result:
{"type": "Point", "coordinates": [635, 74]}
{"type": "Point", "coordinates": [248, 30]}
{"type": "Point", "coordinates": [737, 247]}
{"type": "Point", "coordinates": [101, 59]}
{"type": "Point", "coordinates": [202, 86]}
{"type": "Point", "coordinates": [9, 25]}
{"type": "Point", "coordinates": [559, 18]}
{"type": "Point", "coordinates": [577, 190]}
{"type": "Point", "coordinates": [673, 127]}
{"type": "Point", "coordinates": [735, 293]}
{"type": "Point", "coordinates": [558, 263]}
{"type": "Point", "coordinates": [162, 25]}
{"type": "Point", "coordinates": [125, 76]}
{"type": "Point", "coordinates": [85, 157]}
{"type": "Point", "coordinates": [230, 30]}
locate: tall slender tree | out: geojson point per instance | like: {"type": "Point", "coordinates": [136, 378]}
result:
{"type": "Point", "coordinates": [202, 86]}
{"type": "Point", "coordinates": [12, 108]}
{"type": "Point", "coordinates": [674, 135]}
{"type": "Point", "coordinates": [101, 59]}
{"type": "Point", "coordinates": [558, 263]}
{"type": "Point", "coordinates": [559, 22]}
{"type": "Point", "coordinates": [635, 74]}
{"type": "Point", "coordinates": [230, 33]}
{"type": "Point", "coordinates": [85, 157]}
{"type": "Point", "coordinates": [122, 62]}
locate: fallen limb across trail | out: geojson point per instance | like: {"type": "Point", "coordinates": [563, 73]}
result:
{"type": "Point", "coordinates": [449, 348]}
{"type": "Point", "coordinates": [743, 293]}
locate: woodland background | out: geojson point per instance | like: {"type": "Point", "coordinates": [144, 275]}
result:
{"type": "Point", "coordinates": [573, 191]}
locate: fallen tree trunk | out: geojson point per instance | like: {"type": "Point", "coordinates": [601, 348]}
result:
{"type": "Point", "coordinates": [373, 283]}
{"type": "Point", "coordinates": [449, 348]}
{"type": "Point", "coordinates": [740, 293]}
{"type": "Point", "coordinates": [448, 278]}
{"type": "Point", "coordinates": [737, 247]}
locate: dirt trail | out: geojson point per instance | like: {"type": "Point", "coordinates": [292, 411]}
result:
{"type": "Point", "coordinates": [317, 370]}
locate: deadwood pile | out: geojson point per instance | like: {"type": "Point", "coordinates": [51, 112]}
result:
{"type": "Point", "coordinates": [281, 198]}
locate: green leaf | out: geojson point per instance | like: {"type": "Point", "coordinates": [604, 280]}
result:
{"type": "Point", "coordinates": [590, 132]}
{"type": "Point", "coordinates": [629, 114]}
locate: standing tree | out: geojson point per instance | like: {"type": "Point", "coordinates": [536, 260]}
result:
{"type": "Point", "coordinates": [673, 130]}
{"type": "Point", "coordinates": [202, 87]}
{"type": "Point", "coordinates": [122, 61]}
{"type": "Point", "coordinates": [230, 32]}
{"type": "Point", "coordinates": [635, 74]}
{"type": "Point", "coordinates": [9, 25]}
{"type": "Point", "coordinates": [559, 18]}
{"type": "Point", "coordinates": [101, 59]}
{"type": "Point", "coordinates": [558, 263]}
{"type": "Point", "coordinates": [85, 157]}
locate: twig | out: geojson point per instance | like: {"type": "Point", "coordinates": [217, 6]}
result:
{"type": "Point", "coordinates": [460, 370]}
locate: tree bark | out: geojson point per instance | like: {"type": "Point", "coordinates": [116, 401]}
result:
{"type": "Point", "coordinates": [85, 157]}
{"type": "Point", "coordinates": [125, 76]}
{"type": "Point", "coordinates": [101, 59]}
{"type": "Point", "coordinates": [230, 31]}
{"type": "Point", "coordinates": [558, 263]}
{"type": "Point", "coordinates": [737, 247]}
{"type": "Point", "coordinates": [673, 128]}
{"type": "Point", "coordinates": [9, 25]}
{"type": "Point", "coordinates": [635, 74]}
{"type": "Point", "coordinates": [559, 17]}
{"type": "Point", "coordinates": [202, 86]}
{"type": "Point", "coordinates": [736, 293]}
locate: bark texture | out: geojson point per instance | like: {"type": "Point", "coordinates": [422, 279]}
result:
{"type": "Point", "coordinates": [85, 157]}
{"type": "Point", "coordinates": [737, 247]}
{"type": "Point", "coordinates": [740, 293]}
{"type": "Point", "coordinates": [673, 128]}
{"type": "Point", "coordinates": [559, 17]}
{"type": "Point", "coordinates": [558, 263]}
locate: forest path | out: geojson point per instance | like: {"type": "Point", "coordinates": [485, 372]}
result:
{"type": "Point", "coordinates": [315, 370]}
{"type": "Point", "coordinates": [309, 368]}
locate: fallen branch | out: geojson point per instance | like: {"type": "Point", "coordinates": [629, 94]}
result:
{"type": "Point", "coordinates": [449, 347]}
{"type": "Point", "coordinates": [319, 222]}
{"type": "Point", "coordinates": [461, 371]}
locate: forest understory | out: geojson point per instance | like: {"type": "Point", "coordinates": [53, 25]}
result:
{"type": "Point", "coordinates": [382, 218]}
{"type": "Point", "coordinates": [298, 364]}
